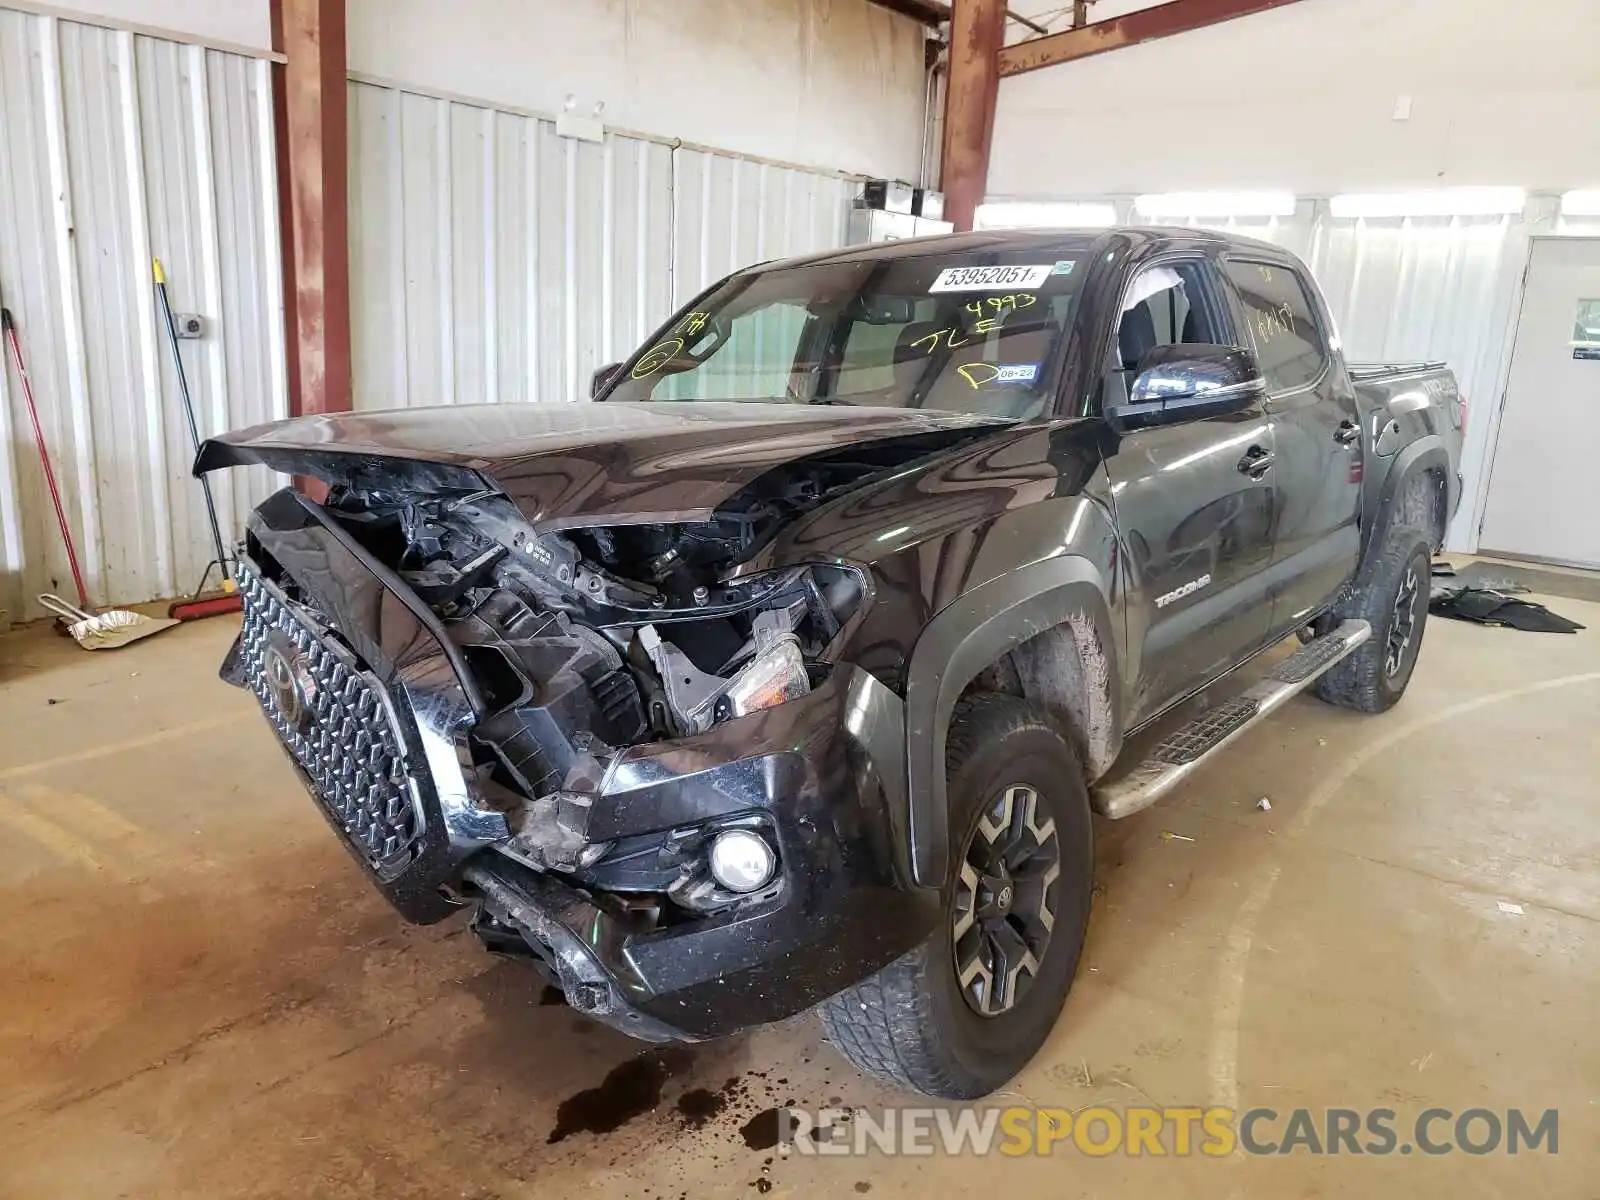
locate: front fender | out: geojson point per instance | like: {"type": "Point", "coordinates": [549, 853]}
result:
{"type": "Point", "coordinates": [964, 638]}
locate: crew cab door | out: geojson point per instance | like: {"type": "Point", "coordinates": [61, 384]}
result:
{"type": "Point", "coordinates": [1193, 503]}
{"type": "Point", "coordinates": [1316, 432]}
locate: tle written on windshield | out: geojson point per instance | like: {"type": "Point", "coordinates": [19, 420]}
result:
{"type": "Point", "coordinates": [957, 333]}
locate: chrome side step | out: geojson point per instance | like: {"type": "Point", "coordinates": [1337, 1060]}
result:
{"type": "Point", "coordinates": [1185, 749]}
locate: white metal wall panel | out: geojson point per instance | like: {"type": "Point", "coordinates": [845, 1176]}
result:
{"type": "Point", "coordinates": [116, 147]}
{"type": "Point", "coordinates": [493, 260]}
{"type": "Point", "coordinates": [731, 212]}
{"type": "Point", "coordinates": [1430, 288]}
{"type": "Point", "coordinates": [1416, 288]}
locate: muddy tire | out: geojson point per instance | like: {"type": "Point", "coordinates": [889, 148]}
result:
{"type": "Point", "coordinates": [1391, 596]}
{"type": "Point", "coordinates": [965, 1011]}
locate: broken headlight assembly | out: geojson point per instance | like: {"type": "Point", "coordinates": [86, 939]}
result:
{"type": "Point", "coordinates": [794, 625]}
{"type": "Point", "coordinates": [776, 674]}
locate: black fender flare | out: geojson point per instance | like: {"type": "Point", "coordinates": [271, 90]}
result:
{"type": "Point", "coordinates": [963, 639]}
{"type": "Point", "coordinates": [1426, 453]}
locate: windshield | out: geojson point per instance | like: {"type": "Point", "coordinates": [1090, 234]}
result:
{"type": "Point", "coordinates": [972, 332]}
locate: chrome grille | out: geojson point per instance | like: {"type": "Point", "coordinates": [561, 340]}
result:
{"type": "Point", "coordinates": [333, 718]}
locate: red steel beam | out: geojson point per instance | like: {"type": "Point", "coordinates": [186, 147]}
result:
{"type": "Point", "coordinates": [1146, 25]}
{"type": "Point", "coordinates": [280, 146]}
{"type": "Point", "coordinates": [317, 187]}
{"type": "Point", "coordinates": [977, 32]}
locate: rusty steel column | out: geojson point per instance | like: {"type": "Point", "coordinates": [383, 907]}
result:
{"type": "Point", "coordinates": [316, 193]}
{"type": "Point", "coordinates": [280, 154]}
{"type": "Point", "coordinates": [977, 31]}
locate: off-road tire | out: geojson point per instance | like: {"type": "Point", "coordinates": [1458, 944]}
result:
{"type": "Point", "coordinates": [1404, 562]}
{"type": "Point", "coordinates": [910, 1025]}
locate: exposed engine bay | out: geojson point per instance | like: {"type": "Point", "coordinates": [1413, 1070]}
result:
{"type": "Point", "coordinates": [588, 640]}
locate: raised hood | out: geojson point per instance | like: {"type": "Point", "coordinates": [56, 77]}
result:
{"type": "Point", "coordinates": [567, 465]}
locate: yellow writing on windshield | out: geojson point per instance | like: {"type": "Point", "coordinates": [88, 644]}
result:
{"type": "Point", "coordinates": [947, 336]}
{"type": "Point", "coordinates": [997, 304]}
{"type": "Point", "coordinates": [658, 356]}
{"type": "Point", "coordinates": [978, 373]}
{"type": "Point", "coordinates": [953, 337]}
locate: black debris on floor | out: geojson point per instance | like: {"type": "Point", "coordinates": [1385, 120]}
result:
{"type": "Point", "coordinates": [1484, 606]}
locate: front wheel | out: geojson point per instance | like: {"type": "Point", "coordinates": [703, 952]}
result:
{"type": "Point", "coordinates": [965, 1011]}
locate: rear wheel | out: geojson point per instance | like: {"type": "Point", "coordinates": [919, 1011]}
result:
{"type": "Point", "coordinates": [966, 1010]}
{"type": "Point", "coordinates": [1394, 601]}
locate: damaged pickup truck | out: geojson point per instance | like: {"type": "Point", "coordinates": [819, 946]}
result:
{"type": "Point", "coordinates": [789, 673]}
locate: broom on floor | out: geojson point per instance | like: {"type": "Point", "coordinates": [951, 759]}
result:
{"type": "Point", "coordinates": [91, 630]}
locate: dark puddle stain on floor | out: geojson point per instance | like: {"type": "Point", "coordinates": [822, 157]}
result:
{"type": "Point", "coordinates": [664, 1094]}
{"type": "Point", "coordinates": [629, 1090]}
{"type": "Point", "coordinates": [700, 1105]}
{"type": "Point", "coordinates": [761, 1132]}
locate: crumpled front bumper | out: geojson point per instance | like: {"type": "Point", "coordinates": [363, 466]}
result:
{"type": "Point", "coordinates": [824, 775]}
{"type": "Point", "coordinates": [845, 907]}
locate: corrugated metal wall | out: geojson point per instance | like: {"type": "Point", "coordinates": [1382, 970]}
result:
{"type": "Point", "coordinates": [1430, 288]}
{"type": "Point", "coordinates": [493, 260]}
{"type": "Point", "coordinates": [116, 147]}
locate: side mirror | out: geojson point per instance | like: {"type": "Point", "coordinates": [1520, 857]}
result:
{"type": "Point", "coordinates": [1187, 382]}
{"type": "Point", "coordinates": [602, 379]}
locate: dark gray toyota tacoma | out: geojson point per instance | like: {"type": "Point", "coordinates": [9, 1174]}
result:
{"type": "Point", "coordinates": [788, 673]}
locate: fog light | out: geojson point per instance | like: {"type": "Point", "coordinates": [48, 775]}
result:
{"type": "Point", "coordinates": [742, 861]}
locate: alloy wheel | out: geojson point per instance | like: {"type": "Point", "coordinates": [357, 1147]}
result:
{"type": "Point", "coordinates": [1004, 903]}
{"type": "Point", "coordinates": [1402, 624]}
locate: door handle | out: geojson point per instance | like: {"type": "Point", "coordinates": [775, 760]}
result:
{"type": "Point", "coordinates": [1347, 432]}
{"type": "Point", "coordinates": [1257, 462]}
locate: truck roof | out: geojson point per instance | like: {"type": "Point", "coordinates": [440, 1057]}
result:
{"type": "Point", "coordinates": [1045, 241]}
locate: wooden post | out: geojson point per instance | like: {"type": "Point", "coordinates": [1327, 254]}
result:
{"type": "Point", "coordinates": [315, 193]}
{"type": "Point", "coordinates": [977, 31]}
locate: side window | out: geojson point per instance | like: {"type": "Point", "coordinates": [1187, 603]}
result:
{"type": "Point", "coordinates": [1278, 314]}
{"type": "Point", "coordinates": [1167, 305]}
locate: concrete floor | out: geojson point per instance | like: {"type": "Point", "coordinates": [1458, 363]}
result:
{"type": "Point", "coordinates": [203, 998]}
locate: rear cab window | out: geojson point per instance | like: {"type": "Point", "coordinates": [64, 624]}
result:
{"type": "Point", "coordinates": [1281, 322]}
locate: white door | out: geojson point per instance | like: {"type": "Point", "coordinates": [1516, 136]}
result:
{"type": "Point", "coordinates": [1544, 486]}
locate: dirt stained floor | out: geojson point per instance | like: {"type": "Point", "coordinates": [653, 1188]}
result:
{"type": "Point", "coordinates": [203, 998]}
